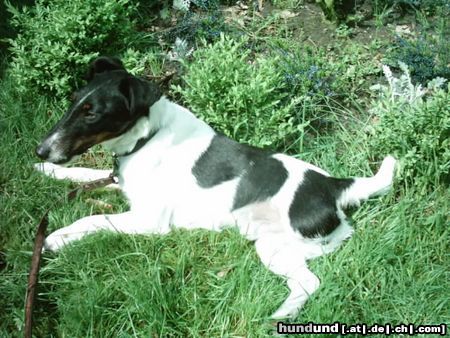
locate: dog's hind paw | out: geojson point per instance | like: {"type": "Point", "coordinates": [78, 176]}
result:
{"type": "Point", "coordinates": [284, 312]}
{"type": "Point", "coordinates": [385, 175]}
{"type": "Point", "coordinates": [387, 168]}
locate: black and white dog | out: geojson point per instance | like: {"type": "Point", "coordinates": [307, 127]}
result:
{"type": "Point", "coordinates": [176, 170]}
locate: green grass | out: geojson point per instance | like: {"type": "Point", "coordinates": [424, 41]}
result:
{"type": "Point", "coordinates": [395, 269]}
{"type": "Point", "coordinates": [205, 284]}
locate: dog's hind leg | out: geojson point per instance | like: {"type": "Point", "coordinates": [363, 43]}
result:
{"type": "Point", "coordinates": [287, 258]}
{"type": "Point", "coordinates": [75, 174]}
{"type": "Point", "coordinates": [365, 187]}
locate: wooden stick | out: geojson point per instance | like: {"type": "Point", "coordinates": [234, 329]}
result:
{"type": "Point", "coordinates": [39, 244]}
{"type": "Point", "coordinates": [34, 273]}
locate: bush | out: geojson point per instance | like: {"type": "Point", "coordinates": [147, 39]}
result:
{"type": "Point", "coordinates": [237, 95]}
{"type": "Point", "coordinates": [321, 83]}
{"type": "Point", "coordinates": [268, 95]}
{"type": "Point", "coordinates": [193, 26]}
{"type": "Point", "coordinates": [427, 57]}
{"type": "Point", "coordinates": [415, 129]}
{"type": "Point", "coordinates": [58, 38]}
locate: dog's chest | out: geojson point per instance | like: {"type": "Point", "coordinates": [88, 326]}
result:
{"type": "Point", "coordinates": [162, 170]}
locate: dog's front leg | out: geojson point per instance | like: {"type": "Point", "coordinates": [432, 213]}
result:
{"type": "Point", "coordinates": [74, 174]}
{"type": "Point", "coordinates": [126, 222]}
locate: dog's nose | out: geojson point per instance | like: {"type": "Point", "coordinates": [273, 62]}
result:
{"type": "Point", "coordinates": [42, 151]}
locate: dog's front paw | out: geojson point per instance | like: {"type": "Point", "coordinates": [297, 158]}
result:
{"type": "Point", "coordinates": [56, 240]}
{"type": "Point", "coordinates": [47, 168]}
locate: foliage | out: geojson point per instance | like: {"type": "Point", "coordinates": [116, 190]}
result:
{"type": "Point", "coordinates": [305, 72]}
{"type": "Point", "coordinates": [319, 80]}
{"type": "Point", "coordinates": [425, 5]}
{"type": "Point", "coordinates": [337, 10]}
{"type": "Point", "coordinates": [193, 26]}
{"type": "Point", "coordinates": [414, 128]}
{"type": "Point", "coordinates": [306, 76]}
{"type": "Point", "coordinates": [58, 38]}
{"type": "Point", "coordinates": [123, 285]}
{"type": "Point", "coordinates": [427, 57]}
{"type": "Point", "coordinates": [237, 95]}
{"type": "Point", "coordinates": [138, 62]}
{"type": "Point", "coordinates": [185, 5]}
{"type": "Point", "coordinates": [288, 4]}
{"type": "Point", "coordinates": [245, 92]}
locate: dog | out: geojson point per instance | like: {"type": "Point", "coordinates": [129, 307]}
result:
{"type": "Point", "coordinates": [177, 171]}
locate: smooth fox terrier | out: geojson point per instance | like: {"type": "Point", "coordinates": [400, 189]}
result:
{"type": "Point", "coordinates": [177, 171]}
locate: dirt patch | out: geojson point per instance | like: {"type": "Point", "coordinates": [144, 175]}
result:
{"type": "Point", "coordinates": [308, 24]}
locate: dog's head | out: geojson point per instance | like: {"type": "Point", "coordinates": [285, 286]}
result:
{"type": "Point", "coordinates": [109, 105]}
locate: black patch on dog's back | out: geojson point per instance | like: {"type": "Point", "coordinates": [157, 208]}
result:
{"type": "Point", "coordinates": [225, 159]}
{"type": "Point", "coordinates": [313, 211]}
{"type": "Point", "coordinates": [262, 180]}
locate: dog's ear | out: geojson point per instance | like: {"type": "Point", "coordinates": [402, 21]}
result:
{"type": "Point", "coordinates": [140, 95]}
{"type": "Point", "coordinates": [103, 64]}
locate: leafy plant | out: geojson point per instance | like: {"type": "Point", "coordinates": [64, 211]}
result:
{"type": "Point", "coordinates": [319, 81]}
{"type": "Point", "coordinates": [337, 10]}
{"type": "Point", "coordinates": [414, 128]}
{"type": "Point", "coordinates": [140, 63]}
{"type": "Point", "coordinates": [287, 4]}
{"type": "Point", "coordinates": [237, 95]}
{"type": "Point", "coordinates": [185, 5]}
{"type": "Point", "coordinates": [58, 38]}
{"type": "Point", "coordinates": [427, 57]}
{"type": "Point", "coordinates": [193, 26]}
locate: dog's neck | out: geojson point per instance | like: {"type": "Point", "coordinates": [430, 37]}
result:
{"type": "Point", "coordinates": [163, 115]}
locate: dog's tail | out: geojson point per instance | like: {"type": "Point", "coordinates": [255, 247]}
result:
{"type": "Point", "coordinates": [364, 187]}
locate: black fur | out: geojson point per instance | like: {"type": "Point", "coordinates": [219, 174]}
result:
{"type": "Point", "coordinates": [226, 159]}
{"type": "Point", "coordinates": [103, 64]}
{"type": "Point", "coordinates": [108, 106]}
{"type": "Point", "coordinates": [261, 181]}
{"type": "Point", "coordinates": [313, 211]}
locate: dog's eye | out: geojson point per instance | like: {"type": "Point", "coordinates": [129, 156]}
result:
{"type": "Point", "coordinates": [90, 116]}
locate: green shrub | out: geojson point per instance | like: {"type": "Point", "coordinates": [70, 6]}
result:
{"type": "Point", "coordinates": [320, 82]}
{"type": "Point", "coordinates": [58, 38]}
{"type": "Point", "coordinates": [238, 96]}
{"type": "Point", "coordinates": [207, 25]}
{"type": "Point", "coordinates": [415, 129]}
{"type": "Point", "coordinates": [138, 62]}
{"type": "Point", "coordinates": [428, 56]}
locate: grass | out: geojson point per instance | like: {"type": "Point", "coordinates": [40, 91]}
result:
{"type": "Point", "coordinates": [206, 284]}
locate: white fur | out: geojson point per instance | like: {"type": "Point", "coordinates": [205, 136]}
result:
{"type": "Point", "coordinates": [365, 187]}
{"type": "Point", "coordinates": [162, 191]}
{"type": "Point", "coordinates": [56, 151]}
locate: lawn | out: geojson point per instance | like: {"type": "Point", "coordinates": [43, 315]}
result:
{"type": "Point", "coordinates": [284, 78]}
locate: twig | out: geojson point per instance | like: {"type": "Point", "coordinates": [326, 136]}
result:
{"type": "Point", "coordinates": [160, 80]}
{"type": "Point", "coordinates": [38, 245]}
{"type": "Point", "coordinates": [34, 273]}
